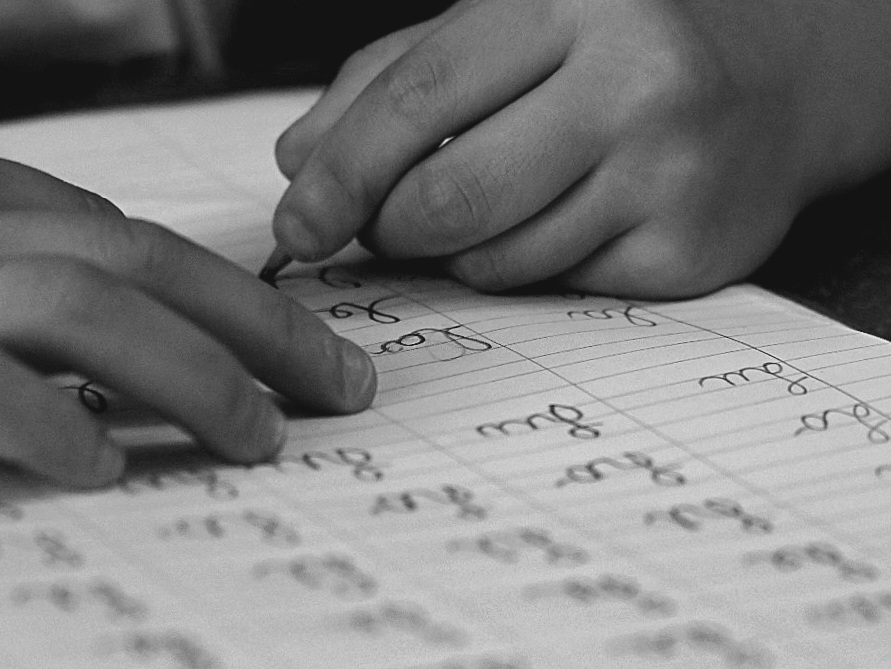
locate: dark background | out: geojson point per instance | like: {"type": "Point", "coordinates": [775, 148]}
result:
{"type": "Point", "coordinates": [271, 43]}
{"type": "Point", "coordinates": [837, 257]}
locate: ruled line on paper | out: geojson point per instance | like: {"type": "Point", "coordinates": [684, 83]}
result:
{"type": "Point", "coordinates": [481, 331]}
{"type": "Point", "coordinates": [532, 487]}
{"type": "Point", "coordinates": [682, 524]}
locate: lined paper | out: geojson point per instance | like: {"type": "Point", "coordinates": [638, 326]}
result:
{"type": "Point", "coordinates": [543, 481]}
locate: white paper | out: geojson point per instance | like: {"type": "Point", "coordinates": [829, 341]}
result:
{"type": "Point", "coordinates": [543, 481]}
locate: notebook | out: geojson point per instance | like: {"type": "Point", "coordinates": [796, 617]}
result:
{"type": "Point", "coordinates": [544, 480]}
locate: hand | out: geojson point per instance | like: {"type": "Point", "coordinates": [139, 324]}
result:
{"type": "Point", "coordinates": [645, 148]}
{"type": "Point", "coordinates": [154, 316]}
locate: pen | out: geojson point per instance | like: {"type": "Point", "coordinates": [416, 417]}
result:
{"type": "Point", "coordinates": [277, 261]}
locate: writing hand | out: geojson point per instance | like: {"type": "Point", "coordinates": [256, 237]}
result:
{"type": "Point", "coordinates": [154, 316]}
{"type": "Point", "coordinates": [640, 148]}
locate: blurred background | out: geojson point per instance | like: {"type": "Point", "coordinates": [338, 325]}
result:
{"type": "Point", "coordinates": [63, 54]}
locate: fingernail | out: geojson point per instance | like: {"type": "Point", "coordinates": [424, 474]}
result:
{"type": "Point", "coordinates": [359, 375]}
{"type": "Point", "coordinates": [277, 426]}
{"type": "Point", "coordinates": [281, 432]}
{"type": "Point", "coordinates": [293, 234]}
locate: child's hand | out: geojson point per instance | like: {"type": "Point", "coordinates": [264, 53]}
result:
{"type": "Point", "coordinates": [161, 320]}
{"type": "Point", "coordinates": [655, 148]}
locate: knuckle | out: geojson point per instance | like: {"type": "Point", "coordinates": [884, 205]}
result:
{"type": "Point", "coordinates": [420, 87]}
{"type": "Point", "coordinates": [452, 205]}
{"type": "Point", "coordinates": [79, 298]}
{"type": "Point", "coordinates": [672, 73]}
{"type": "Point", "coordinates": [674, 266]}
{"type": "Point", "coordinates": [677, 81]}
{"type": "Point", "coordinates": [356, 63]}
{"type": "Point", "coordinates": [63, 290]}
{"type": "Point", "coordinates": [150, 252]}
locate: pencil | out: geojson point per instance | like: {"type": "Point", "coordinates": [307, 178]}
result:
{"type": "Point", "coordinates": [278, 260]}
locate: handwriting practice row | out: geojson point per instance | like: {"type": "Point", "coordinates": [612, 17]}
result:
{"type": "Point", "coordinates": [544, 480]}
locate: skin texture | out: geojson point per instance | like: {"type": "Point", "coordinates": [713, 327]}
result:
{"type": "Point", "coordinates": [154, 316]}
{"type": "Point", "coordinates": [641, 148]}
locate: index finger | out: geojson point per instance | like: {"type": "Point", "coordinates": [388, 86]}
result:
{"type": "Point", "coordinates": [279, 341]}
{"type": "Point", "coordinates": [27, 188]}
{"type": "Point", "coordinates": [472, 65]}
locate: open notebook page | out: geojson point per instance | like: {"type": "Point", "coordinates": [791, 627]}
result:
{"type": "Point", "coordinates": [543, 481]}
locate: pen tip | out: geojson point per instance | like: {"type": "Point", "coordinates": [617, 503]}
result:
{"type": "Point", "coordinates": [277, 261]}
{"type": "Point", "coordinates": [267, 275]}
